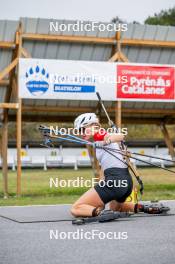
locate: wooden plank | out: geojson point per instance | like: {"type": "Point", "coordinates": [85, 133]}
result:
{"type": "Point", "coordinates": [8, 106]}
{"type": "Point", "coordinates": [148, 111]}
{"type": "Point", "coordinates": [96, 40]}
{"type": "Point", "coordinates": [14, 88]}
{"type": "Point", "coordinates": [15, 56]}
{"type": "Point", "coordinates": [8, 68]}
{"type": "Point", "coordinates": [93, 109]}
{"type": "Point", "coordinates": [37, 117]}
{"type": "Point", "coordinates": [19, 112]}
{"type": "Point", "coordinates": [168, 140]}
{"type": "Point", "coordinates": [18, 142]}
{"type": "Point", "coordinates": [123, 57]}
{"type": "Point", "coordinates": [25, 53]}
{"type": "Point", "coordinates": [148, 43]}
{"type": "Point", "coordinates": [4, 154]}
{"type": "Point", "coordinates": [115, 57]}
{"type": "Point", "coordinates": [118, 114]}
{"type": "Point", "coordinates": [4, 83]}
{"type": "Point", "coordinates": [7, 45]}
{"type": "Point", "coordinates": [56, 109]}
{"type": "Point", "coordinates": [68, 38]}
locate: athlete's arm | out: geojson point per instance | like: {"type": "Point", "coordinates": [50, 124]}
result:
{"type": "Point", "coordinates": [101, 176]}
{"type": "Point", "coordinates": [112, 138]}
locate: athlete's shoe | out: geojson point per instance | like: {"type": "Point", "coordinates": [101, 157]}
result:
{"type": "Point", "coordinates": [153, 208]}
{"type": "Point", "coordinates": [98, 211]}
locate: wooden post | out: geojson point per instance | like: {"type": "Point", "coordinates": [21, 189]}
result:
{"type": "Point", "coordinates": [18, 141]}
{"type": "Point", "coordinates": [19, 113]}
{"type": "Point", "coordinates": [168, 140]}
{"type": "Point", "coordinates": [115, 53]}
{"type": "Point", "coordinates": [4, 154]}
{"type": "Point", "coordinates": [8, 69]}
{"type": "Point", "coordinates": [118, 38]}
{"type": "Point", "coordinates": [118, 113]}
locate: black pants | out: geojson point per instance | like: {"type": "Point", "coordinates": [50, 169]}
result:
{"type": "Point", "coordinates": [117, 185]}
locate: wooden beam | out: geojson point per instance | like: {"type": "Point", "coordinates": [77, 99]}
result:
{"type": "Point", "coordinates": [118, 38]}
{"type": "Point", "coordinates": [14, 88]}
{"type": "Point", "coordinates": [115, 57]}
{"type": "Point", "coordinates": [7, 45]}
{"type": "Point", "coordinates": [145, 120]}
{"type": "Point", "coordinates": [8, 68]}
{"type": "Point", "coordinates": [157, 111]}
{"type": "Point", "coordinates": [168, 140]}
{"type": "Point", "coordinates": [25, 53]}
{"type": "Point", "coordinates": [116, 51]}
{"type": "Point", "coordinates": [19, 112]}
{"type": "Point", "coordinates": [14, 59]}
{"type": "Point", "coordinates": [87, 109]}
{"type": "Point", "coordinates": [118, 114]}
{"type": "Point", "coordinates": [18, 142]}
{"type": "Point", "coordinates": [12, 72]}
{"type": "Point", "coordinates": [56, 109]}
{"type": "Point", "coordinates": [4, 154]}
{"type": "Point", "coordinates": [68, 38]}
{"type": "Point", "coordinates": [8, 106]}
{"type": "Point", "coordinates": [96, 40]}
{"type": "Point", "coordinates": [59, 118]}
{"type": "Point", "coordinates": [4, 83]}
{"type": "Point", "coordinates": [148, 43]}
{"type": "Point", "coordinates": [123, 57]}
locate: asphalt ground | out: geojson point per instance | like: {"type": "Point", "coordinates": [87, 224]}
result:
{"type": "Point", "coordinates": [140, 239]}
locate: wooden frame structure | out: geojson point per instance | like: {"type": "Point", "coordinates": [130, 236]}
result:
{"type": "Point", "coordinates": [11, 85]}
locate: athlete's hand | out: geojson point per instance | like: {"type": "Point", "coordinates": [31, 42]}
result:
{"type": "Point", "coordinates": [112, 138]}
{"type": "Point", "coordinates": [107, 139]}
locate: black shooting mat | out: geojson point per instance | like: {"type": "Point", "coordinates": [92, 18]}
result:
{"type": "Point", "coordinates": [55, 213]}
{"type": "Point", "coordinates": [37, 213]}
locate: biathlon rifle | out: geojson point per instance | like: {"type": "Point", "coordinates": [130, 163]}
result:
{"type": "Point", "coordinates": [123, 146]}
{"type": "Point", "coordinates": [50, 137]}
{"type": "Point", "coordinates": [105, 216]}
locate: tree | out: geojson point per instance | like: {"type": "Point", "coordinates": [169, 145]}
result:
{"type": "Point", "coordinates": [165, 17]}
{"type": "Point", "coordinates": [117, 20]}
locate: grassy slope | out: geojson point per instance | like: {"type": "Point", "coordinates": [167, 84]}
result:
{"type": "Point", "coordinates": [35, 186]}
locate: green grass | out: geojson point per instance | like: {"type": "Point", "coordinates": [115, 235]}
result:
{"type": "Point", "coordinates": [159, 185]}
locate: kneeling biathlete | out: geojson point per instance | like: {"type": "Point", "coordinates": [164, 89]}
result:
{"type": "Point", "coordinates": [117, 181]}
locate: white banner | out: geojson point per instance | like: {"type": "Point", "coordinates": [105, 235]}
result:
{"type": "Point", "coordinates": [66, 79]}
{"type": "Point", "coordinates": [80, 80]}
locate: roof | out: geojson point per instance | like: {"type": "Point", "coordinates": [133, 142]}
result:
{"type": "Point", "coordinates": [92, 52]}
{"type": "Point", "coordinates": [150, 55]}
